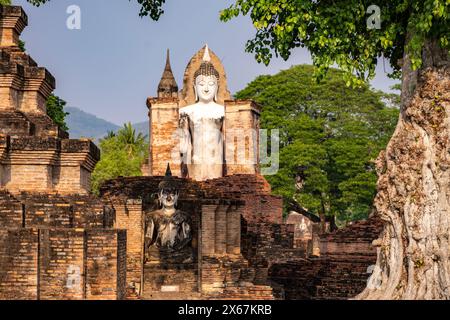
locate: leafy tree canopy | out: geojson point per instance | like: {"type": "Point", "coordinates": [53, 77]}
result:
{"type": "Point", "coordinates": [337, 32]}
{"type": "Point", "coordinates": [123, 154]}
{"type": "Point", "coordinates": [329, 136]}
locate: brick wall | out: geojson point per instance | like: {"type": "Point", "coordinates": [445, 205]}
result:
{"type": "Point", "coordinates": [45, 257]}
{"type": "Point", "coordinates": [61, 264]}
{"type": "Point", "coordinates": [102, 264]}
{"type": "Point", "coordinates": [163, 115]}
{"type": "Point", "coordinates": [11, 211]}
{"type": "Point", "coordinates": [341, 271]}
{"type": "Point", "coordinates": [241, 137]}
{"type": "Point", "coordinates": [129, 217]}
{"type": "Point", "coordinates": [260, 205]}
{"type": "Point", "coordinates": [18, 264]}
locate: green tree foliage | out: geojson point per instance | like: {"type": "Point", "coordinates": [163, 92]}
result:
{"type": "Point", "coordinates": [128, 138]}
{"type": "Point", "coordinates": [55, 110]}
{"type": "Point", "coordinates": [123, 154]}
{"type": "Point", "coordinates": [337, 32]}
{"type": "Point", "coordinates": [329, 136]}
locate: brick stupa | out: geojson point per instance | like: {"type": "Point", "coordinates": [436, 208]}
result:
{"type": "Point", "coordinates": [56, 240]}
{"type": "Point", "coordinates": [35, 154]}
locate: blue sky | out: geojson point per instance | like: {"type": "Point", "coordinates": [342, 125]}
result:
{"type": "Point", "coordinates": [110, 66]}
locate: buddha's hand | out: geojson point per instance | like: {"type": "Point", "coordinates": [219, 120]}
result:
{"type": "Point", "coordinates": [184, 121]}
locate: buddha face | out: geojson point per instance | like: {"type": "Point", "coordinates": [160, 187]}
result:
{"type": "Point", "coordinates": [206, 88]}
{"type": "Point", "coordinates": [168, 198]}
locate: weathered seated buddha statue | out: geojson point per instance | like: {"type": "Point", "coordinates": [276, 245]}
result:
{"type": "Point", "coordinates": [201, 125]}
{"type": "Point", "coordinates": [168, 232]}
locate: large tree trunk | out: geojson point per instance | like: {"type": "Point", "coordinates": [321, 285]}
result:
{"type": "Point", "coordinates": [414, 188]}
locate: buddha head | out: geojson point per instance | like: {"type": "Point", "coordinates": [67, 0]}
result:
{"type": "Point", "coordinates": [168, 191]}
{"type": "Point", "coordinates": [206, 80]}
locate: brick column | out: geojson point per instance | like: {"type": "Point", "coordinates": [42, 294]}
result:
{"type": "Point", "coordinates": [129, 216]}
{"type": "Point", "coordinates": [234, 230]}
{"type": "Point", "coordinates": [164, 144]}
{"type": "Point", "coordinates": [208, 229]}
{"type": "Point", "coordinates": [221, 230]}
{"type": "Point", "coordinates": [241, 137]}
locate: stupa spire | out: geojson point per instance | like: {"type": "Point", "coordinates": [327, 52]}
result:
{"type": "Point", "coordinates": [167, 86]}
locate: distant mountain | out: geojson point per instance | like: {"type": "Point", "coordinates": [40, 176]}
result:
{"type": "Point", "coordinates": [85, 125]}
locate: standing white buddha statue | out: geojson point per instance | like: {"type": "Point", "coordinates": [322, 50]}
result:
{"type": "Point", "coordinates": [202, 126]}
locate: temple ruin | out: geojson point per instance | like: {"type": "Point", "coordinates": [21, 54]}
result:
{"type": "Point", "coordinates": [170, 234]}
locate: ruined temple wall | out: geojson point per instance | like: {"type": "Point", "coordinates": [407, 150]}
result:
{"type": "Point", "coordinates": [29, 177]}
{"type": "Point", "coordinates": [241, 130]}
{"type": "Point", "coordinates": [33, 102]}
{"type": "Point", "coordinates": [9, 98]}
{"type": "Point", "coordinates": [260, 205]}
{"type": "Point", "coordinates": [11, 213]}
{"type": "Point", "coordinates": [19, 264]}
{"type": "Point", "coordinates": [104, 253]}
{"type": "Point", "coordinates": [44, 165]}
{"type": "Point", "coordinates": [129, 217]}
{"type": "Point", "coordinates": [44, 248]}
{"type": "Point", "coordinates": [340, 272]}
{"type": "Point", "coordinates": [13, 26]}
{"type": "Point", "coordinates": [164, 140]}
{"type": "Point", "coordinates": [64, 264]}
{"type": "Point", "coordinates": [67, 179]}
{"type": "Point", "coordinates": [61, 264]}
{"type": "Point", "coordinates": [263, 209]}
{"type": "Point", "coordinates": [267, 244]}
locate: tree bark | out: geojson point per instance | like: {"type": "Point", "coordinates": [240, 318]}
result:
{"type": "Point", "coordinates": [413, 190]}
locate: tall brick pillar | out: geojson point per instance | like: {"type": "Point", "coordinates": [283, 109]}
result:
{"type": "Point", "coordinates": [163, 119]}
{"type": "Point", "coordinates": [241, 137]}
{"type": "Point", "coordinates": [164, 141]}
{"type": "Point", "coordinates": [129, 217]}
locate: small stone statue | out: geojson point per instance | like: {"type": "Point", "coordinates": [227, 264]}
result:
{"type": "Point", "coordinates": [167, 229]}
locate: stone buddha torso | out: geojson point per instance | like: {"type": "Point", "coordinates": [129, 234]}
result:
{"type": "Point", "coordinates": [202, 128]}
{"type": "Point", "coordinates": [168, 231]}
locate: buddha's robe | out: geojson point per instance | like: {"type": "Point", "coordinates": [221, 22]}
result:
{"type": "Point", "coordinates": [202, 140]}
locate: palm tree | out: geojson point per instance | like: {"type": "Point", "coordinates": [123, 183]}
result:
{"type": "Point", "coordinates": [132, 142]}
